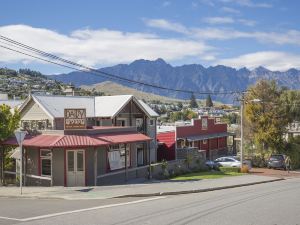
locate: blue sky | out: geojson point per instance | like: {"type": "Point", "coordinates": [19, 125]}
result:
{"type": "Point", "coordinates": [99, 33]}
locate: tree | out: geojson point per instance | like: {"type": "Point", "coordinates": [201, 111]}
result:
{"type": "Point", "coordinates": [9, 122]}
{"type": "Point", "coordinates": [193, 102]}
{"type": "Point", "coordinates": [180, 105]}
{"type": "Point", "coordinates": [209, 102]}
{"type": "Point", "coordinates": [267, 118]}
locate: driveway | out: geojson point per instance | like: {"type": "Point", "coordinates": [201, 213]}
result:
{"type": "Point", "coordinates": [275, 173]}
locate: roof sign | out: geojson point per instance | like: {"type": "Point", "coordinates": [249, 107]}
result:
{"type": "Point", "coordinates": [75, 119]}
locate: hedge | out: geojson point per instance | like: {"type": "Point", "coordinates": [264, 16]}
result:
{"type": "Point", "coordinates": [229, 169]}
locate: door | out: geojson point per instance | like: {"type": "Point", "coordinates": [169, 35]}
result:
{"type": "Point", "coordinates": [75, 168]}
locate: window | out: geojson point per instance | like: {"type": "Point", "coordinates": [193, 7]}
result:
{"type": "Point", "coordinates": [46, 162]}
{"type": "Point", "coordinates": [204, 142]}
{"type": "Point", "coordinates": [139, 123]}
{"type": "Point", "coordinates": [121, 122]}
{"type": "Point", "coordinates": [140, 154]}
{"type": "Point", "coordinates": [204, 123]}
{"type": "Point", "coordinates": [116, 156]}
{"type": "Point", "coordinates": [151, 122]}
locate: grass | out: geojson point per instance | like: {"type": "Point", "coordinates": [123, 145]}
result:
{"type": "Point", "coordinates": [206, 175]}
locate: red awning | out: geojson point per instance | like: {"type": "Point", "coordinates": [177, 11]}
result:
{"type": "Point", "coordinates": [57, 141]}
{"type": "Point", "coordinates": [35, 141]}
{"type": "Point", "coordinates": [62, 141]}
{"type": "Point", "coordinates": [79, 141]}
{"type": "Point", "coordinates": [128, 137]}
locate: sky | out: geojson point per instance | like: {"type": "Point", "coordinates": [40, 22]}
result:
{"type": "Point", "coordinates": [96, 33]}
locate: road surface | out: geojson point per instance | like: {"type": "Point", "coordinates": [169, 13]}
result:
{"type": "Point", "coordinates": [271, 203]}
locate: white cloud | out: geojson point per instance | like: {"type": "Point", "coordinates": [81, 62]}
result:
{"type": "Point", "coordinates": [230, 10]}
{"type": "Point", "coordinates": [212, 33]}
{"type": "Point", "coordinates": [100, 47]}
{"type": "Point", "coordinates": [249, 3]}
{"type": "Point", "coordinates": [249, 23]}
{"type": "Point", "coordinates": [227, 20]}
{"type": "Point", "coordinates": [166, 3]}
{"type": "Point", "coordinates": [218, 20]}
{"type": "Point", "coordinates": [166, 25]}
{"type": "Point", "coordinates": [273, 60]}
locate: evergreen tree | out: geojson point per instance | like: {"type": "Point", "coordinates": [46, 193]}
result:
{"type": "Point", "coordinates": [209, 102]}
{"type": "Point", "coordinates": [193, 102]}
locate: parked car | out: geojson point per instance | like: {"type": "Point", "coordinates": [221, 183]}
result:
{"type": "Point", "coordinates": [223, 161]}
{"type": "Point", "coordinates": [277, 161]}
{"type": "Point", "coordinates": [227, 162]}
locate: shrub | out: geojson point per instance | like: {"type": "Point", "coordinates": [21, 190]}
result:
{"type": "Point", "coordinates": [245, 169]}
{"type": "Point", "coordinates": [229, 169]}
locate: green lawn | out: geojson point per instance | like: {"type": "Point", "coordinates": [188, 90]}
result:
{"type": "Point", "coordinates": [206, 175]}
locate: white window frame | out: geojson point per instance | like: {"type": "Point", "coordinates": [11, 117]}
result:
{"type": "Point", "coordinates": [121, 148]}
{"type": "Point", "coordinates": [123, 119]}
{"type": "Point", "coordinates": [204, 125]}
{"type": "Point", "coordinates": [45, 157]}
{"type": "Point", "coordinates": [151, 122]}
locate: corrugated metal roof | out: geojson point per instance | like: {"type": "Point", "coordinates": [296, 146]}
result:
{"type": "Point", "coordinates": [43, 141]}
{"type": "Point", "coordinates": [128, 137]}
{"type": "Point", "coordinates": [109, 106]}
{"type": "Point", "coordinates": [96, 106]}
{"type": "Point", "coordinates": [206, 136]}
{"type": "Point", "coordinates": [148, 109]}
{"type": "Point", "coordinates": [55, 105]}
{"type": "Point", "coordinates": [61, 141]}
{"type": "Point", "coordinates": [78, 141]}
{"type": "Point", "coordinates": [168, 138]}
{"type": "Point", "coordinates": [11, 103]}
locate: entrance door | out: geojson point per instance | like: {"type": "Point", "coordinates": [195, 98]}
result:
{"type": "Point", "coordinates": [75, 168]}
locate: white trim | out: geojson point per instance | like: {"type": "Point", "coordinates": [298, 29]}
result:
{"type": "Point", "coordinates": [121, 107]}
{"type": "Point", "coordinates": [43, 107]}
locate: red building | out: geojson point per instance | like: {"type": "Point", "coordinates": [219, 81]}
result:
{"type": "Point", "coordinates": [204, 134]}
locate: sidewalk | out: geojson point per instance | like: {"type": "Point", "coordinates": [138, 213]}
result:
{"type": "Point", "coordinates": [154, 188]}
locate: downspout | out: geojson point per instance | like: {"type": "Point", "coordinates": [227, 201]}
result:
{"type": "Point", "coordinates": [126, 172]}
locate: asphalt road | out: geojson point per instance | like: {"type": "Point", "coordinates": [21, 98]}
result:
{"type": "Point", "coordinates": [271, 203]}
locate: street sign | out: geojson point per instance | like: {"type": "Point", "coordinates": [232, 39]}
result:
{"type": "Point", "coordinates": [75, 119]}
{"type": "Point", "coordinates": [20, 135]}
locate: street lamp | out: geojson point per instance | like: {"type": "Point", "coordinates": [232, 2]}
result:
{"type": "Point", "coordinates": [20, 135]}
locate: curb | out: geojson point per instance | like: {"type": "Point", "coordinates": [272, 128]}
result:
{"type": "Point", "coordinates": [147, 195]}
{"type": "Point", "coordinates": [198, 190]}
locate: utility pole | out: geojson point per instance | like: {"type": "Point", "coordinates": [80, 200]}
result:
{"type": "Point", "coordinates": [242, 128]}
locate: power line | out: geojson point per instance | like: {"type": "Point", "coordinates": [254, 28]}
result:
{"type": "Point", "coordinates": [22, 46]}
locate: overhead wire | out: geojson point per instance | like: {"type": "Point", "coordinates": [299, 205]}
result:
{"type": "Point", "coordinates": [87, 69]}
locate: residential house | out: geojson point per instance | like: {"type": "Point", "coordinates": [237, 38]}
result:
{"type": "Point", "coordinates": [119, 135]}
{"type": "Point", "coordinates": [206, 134]}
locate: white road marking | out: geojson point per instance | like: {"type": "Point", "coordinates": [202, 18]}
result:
{"type": "Point", "coordinates": [9, 218]}
{"type": "Point", "coordinates": [82, 210]}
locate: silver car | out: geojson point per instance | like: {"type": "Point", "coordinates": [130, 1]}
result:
{"type": "Point", "coordinates": [227, 162]}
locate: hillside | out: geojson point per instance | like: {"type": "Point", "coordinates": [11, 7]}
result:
{"type": "Point", "coordinates": [189, 77]}
{"type": "Point", "coordinates": [20, 83]}
{"type": "Point", "coordinates": [111, 88]}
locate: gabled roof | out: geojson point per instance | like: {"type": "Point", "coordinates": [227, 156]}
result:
{"type": "Point", "coordinates": [11, 103]}
{"type": "Point", "coordinates": [110, 106]}
{"type": "Point", "coordinates": [98, 106]}
{"type": "Point", "coordinates": [147, 109]}
{"type": "Point", "coordinates": [55, 105]}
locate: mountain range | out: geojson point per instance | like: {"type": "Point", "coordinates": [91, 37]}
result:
{"type": "Point", "coordinates": [193, 77]}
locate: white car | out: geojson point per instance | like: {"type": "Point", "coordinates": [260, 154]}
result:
{"type": "Point", "coordinates": [227, 162]}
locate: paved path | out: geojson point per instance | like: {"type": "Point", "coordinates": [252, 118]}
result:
{"type": "Point", "coordinates": [275, 173]}
{"type": "Point", "coordinates": [144, 189]}
{"type": "Point", "coordinates": [262, 204]}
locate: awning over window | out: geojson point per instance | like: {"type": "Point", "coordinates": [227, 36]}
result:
{"type": "Point", "coordinates": [62, 141]}
{"type": "Point", "coordinates": [118, 138]}
{"type": "Point", "coordinates": [205, 137]}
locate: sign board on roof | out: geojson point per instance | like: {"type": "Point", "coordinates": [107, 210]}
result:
{"type": "Point", "coordinates": [75, 119]}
